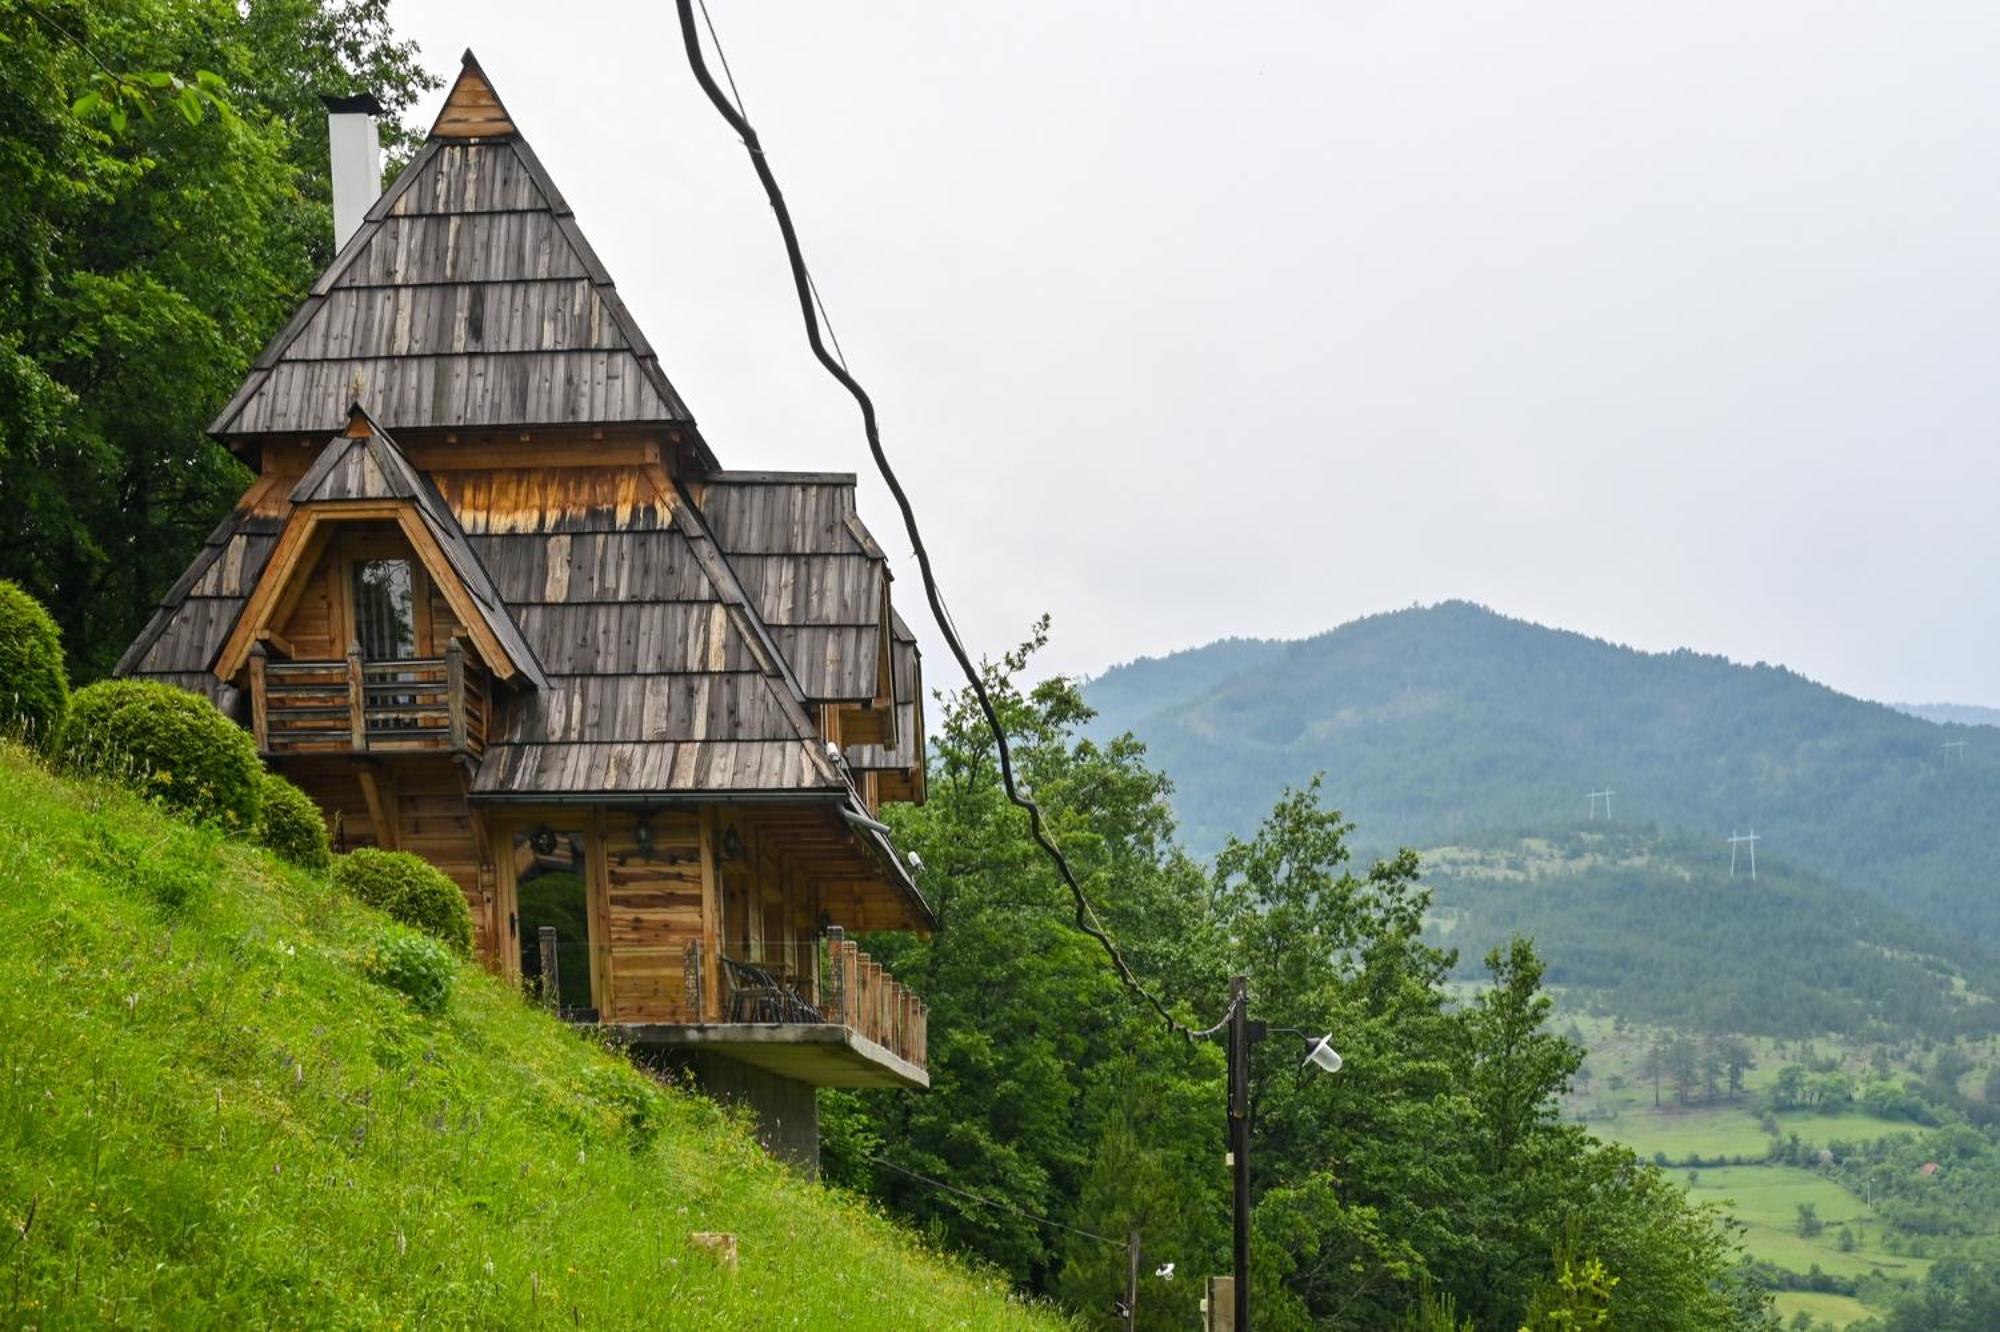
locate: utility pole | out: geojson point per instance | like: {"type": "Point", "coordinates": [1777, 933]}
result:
{"type": "Point", "coordinates": [1954, 749]}
{"type": "Point", "coordinates": [1132, 1281]}
{"type": "Point", "coordinates": [1243, 1033]}
{"type": "Point", "coordinates": [1594, 796]}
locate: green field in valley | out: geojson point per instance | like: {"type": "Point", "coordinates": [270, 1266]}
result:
{"type": "Point", "coordinates": [1766, 1200]}
{"type": "Point", "coordinates": [1832, 1310]}
{"type": "Point", "coordinates": [1616, 1103]}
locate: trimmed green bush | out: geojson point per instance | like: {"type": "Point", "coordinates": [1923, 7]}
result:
{"type": "Point", "coordinates": [34, 687]}
{"type": "Point", "coordinates": [167, 744]}
{"type": "Point", "coordinates": [409, 889]}
{"type": "Point", "coordinates": [418, 966]}
{"type": "Point", "coordinates": [289, 823]}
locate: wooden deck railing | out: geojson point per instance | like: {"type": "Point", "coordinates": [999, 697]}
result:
{"type": "Point", "coordinates": [356, 706]}
{"type": "Point", "coordinates": [857, 992]}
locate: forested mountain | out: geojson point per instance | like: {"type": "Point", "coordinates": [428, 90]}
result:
{"type": "Point", "coordinates": [1435, 723]}
{"type": "Point", "coordinates": [1653, 930]}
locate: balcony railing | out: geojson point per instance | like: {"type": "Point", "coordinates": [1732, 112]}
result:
{"type": "Point", "coordinates": [856, 992]}
{"type": "Point", "coordinates": [814, 981]}
{"type": "Point", "coordinates": [357, 706]}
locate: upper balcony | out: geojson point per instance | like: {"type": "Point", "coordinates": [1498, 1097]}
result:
{"type": "Point", "coordinates": [355, 706]}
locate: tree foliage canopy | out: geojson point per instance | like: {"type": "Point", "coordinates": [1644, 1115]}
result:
{"type": "Point", "coordinates": [1433, 1166]}
{"type": "Point", "coordinates": [144, 260]}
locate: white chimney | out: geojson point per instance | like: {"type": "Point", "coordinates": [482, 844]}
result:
{"type": "Point", "coordinates": [357, 160]}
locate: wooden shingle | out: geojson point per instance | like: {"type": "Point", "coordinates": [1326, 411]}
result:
{"type": "Point", "coordinates": [468, 299]}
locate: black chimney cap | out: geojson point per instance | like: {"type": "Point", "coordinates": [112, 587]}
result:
{"type": "Point", "coordinates": [352, 102]}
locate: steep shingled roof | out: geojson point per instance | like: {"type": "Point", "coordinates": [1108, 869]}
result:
{"type": "Point", "coordinates": [193, 616]}
{"type": "Point", "coordinates": [816, 576]}
{"type": "Point", "coordinates": [661, 677]}
{"type": "Point", "coordinates": [468, 298]}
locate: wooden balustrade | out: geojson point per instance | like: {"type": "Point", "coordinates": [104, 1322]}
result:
{"type": "Point", "coordinates": [357, 706]}
{"type": "Point", "coordinates": [856, 992]}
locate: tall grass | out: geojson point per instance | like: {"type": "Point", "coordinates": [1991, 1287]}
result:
{"type": "Point", "coordinates": [210, 1117]}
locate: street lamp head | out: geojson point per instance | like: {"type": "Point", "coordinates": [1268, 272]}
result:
{"type": "Point", "coordinates": [1323, 1056]}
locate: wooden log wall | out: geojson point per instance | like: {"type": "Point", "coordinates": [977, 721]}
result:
{"type": "Point", "coordinates": [653, 911]}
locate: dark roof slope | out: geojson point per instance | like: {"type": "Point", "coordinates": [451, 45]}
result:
{"type": "Point", "coordinates": [816, 576]}
{"type": "Point", "coordinates": [660, 679]}
{"type": "Point", "coordinates": [194, 615]}
{"type": "Point", "coordinates": [468, 298]}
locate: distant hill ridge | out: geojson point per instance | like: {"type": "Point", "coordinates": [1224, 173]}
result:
{"type": "Point", "coordinates": [1437, 721]}
{"type": "Point", "coordinates": [1961, 714]}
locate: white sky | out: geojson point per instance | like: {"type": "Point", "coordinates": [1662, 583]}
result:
{"type": "Point", "coordinates": [1673, 323]}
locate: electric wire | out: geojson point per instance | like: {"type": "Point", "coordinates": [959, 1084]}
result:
{"type": "Point", "coordinates": [992, 1202]}
{"type": "Point", "coordinates": [1086, 919]}
{"type": "Point", "coordinates": [735, 93]}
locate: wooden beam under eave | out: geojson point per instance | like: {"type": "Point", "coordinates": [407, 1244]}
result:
{"type": "Point", "coordinates": [379, 790]}
{"type": "Point", "coordinates": [711, 919]}
{"type": "Point", "coordinates": [597, 910]}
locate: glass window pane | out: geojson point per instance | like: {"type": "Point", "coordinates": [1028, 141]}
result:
{"type": "Point", "coordinates": [385, 622]}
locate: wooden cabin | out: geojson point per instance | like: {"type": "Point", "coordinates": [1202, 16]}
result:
{"type": "Point", "coordinates": [491, 599]}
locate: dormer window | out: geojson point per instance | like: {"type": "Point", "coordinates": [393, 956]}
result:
{"type": "Point", "coordinates": [385, 604]}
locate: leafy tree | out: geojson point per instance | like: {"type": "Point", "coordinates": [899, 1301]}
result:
{"type": "Point", "coordinates": [144, 259]}
{"type": "Point", "coordinates": [1683, 1068]}
{"type": "Point", "coordinates": [1737, 1059]}
{"type": "Point", "coordinates": [1653, 1067]}
{"type": "Point", "coordinates": [1832, 1092]}
{"type": "Point", "coordinates": [1432, 1174]}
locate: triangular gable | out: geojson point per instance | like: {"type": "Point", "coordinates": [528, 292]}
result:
{"type": "Point", "coordinates": [468, 299]}
{"type": "Point", "coordinates": [360, 464]}
{"type": "Point", "coordinates": [472, 109]}
{"type": "Point", "coordinates": [363, 474]}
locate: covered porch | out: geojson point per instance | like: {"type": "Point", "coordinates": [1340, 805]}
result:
{"type": "Point", "coordinates": [719, 930]}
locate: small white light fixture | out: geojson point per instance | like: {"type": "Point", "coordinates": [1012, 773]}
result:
{"type": "Point", "coordinates": [916, 863]}
{"type": "Point", "coordinates": [1323, 1056]}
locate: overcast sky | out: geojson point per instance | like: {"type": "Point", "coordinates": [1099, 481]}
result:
{"type": "Point", "coordinates": [1671, 323]}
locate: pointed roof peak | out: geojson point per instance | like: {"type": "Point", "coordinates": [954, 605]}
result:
{"type": "Point", "coordinates": [360, 425]}
{"type": "Point", "coordinates": [361, 462]}
{"type": "Point", "coordinates": [472, 110]}
{"type": "Point", "coordinates": [468, 299]}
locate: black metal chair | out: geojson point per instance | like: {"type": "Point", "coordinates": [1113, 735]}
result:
{"type": "Point", "coordinates": [755, 995]}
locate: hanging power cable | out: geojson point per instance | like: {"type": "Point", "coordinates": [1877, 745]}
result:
{"type": "Point", "coordinates": [1086, 915]}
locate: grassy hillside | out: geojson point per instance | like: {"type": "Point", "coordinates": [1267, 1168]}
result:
{"type": "Point", "coordinates": [209, 1117]}
{"type": "Point", "coordinates": [1437, 722]}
